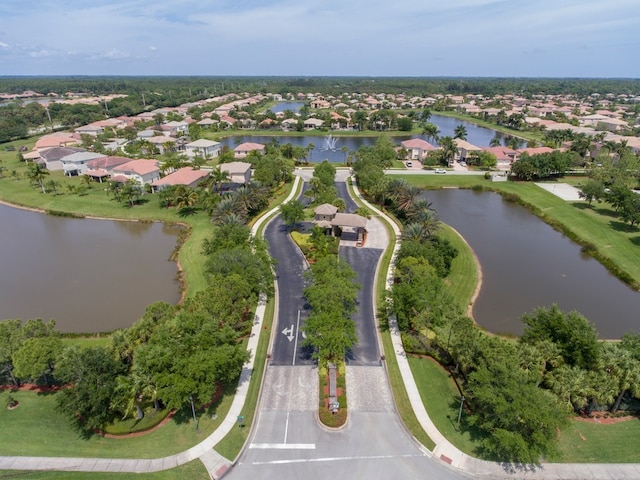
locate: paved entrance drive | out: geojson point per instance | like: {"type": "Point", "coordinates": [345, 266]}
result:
{"type": "Point", "coordinates": [563, 190]}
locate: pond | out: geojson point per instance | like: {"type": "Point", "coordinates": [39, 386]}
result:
{"type": "Point", "coordinates": [527, 264]}
{"type": "Point", "coordinates": [330, 146]}
{"type": "Point", "coordinates": [89, 275]}
{"type": "Point", "coordinates": [282, 106]}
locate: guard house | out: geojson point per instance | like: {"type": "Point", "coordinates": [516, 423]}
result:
{"type": "Point", "coordinates": [349, 226]}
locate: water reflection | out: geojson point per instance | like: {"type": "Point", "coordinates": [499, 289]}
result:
{"type": "Point", "coordinates": [89, 275]}
{"type": "Point", "coordinates": [526, 264]}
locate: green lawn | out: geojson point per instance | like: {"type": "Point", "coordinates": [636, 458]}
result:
{"type": "Point", "coordinates": [193, 470]}
{"type": "Point", "coordinates": [231, 445]}
{"type": "Point", "coordinates": [594, 443]}
{"type": "Point", "coordinates": [441, 398]}
{"type": "Point", "coordinates": [463, 277]}
{"type": "Point", "coordinates": [35, 428]}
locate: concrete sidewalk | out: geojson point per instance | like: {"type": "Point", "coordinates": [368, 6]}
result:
{"type": "Point", "coordinates": [451, 455]}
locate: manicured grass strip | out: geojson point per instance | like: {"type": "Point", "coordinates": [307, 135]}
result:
{"type": "Point", "coordinates": [36, 428]}
{"type": "Point", "coordinates": [584, 442]}
{"type": "Point", "coordinates": [463, 277]}
{"type": "Point", "coordinates": [231, 445]}
{"type": "Point", "coordinates": [193, 470]}
{"type": "Point", "coordinates": [400, 395]}
{"type": "Point", "coordinates": [441, 398]}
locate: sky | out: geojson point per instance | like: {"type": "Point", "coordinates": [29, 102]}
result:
{"type": "Point", "coordinates": [419, 38]}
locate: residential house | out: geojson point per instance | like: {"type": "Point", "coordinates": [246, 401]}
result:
{"type": "Point", "coordinates": [76, 163]}
{"type": "Point", "coordinates": [244, 149]}
{"type": "Point", "coordinates": [417, 149]}
{"type": "Point", "coordinates": [142, 171]}
{"type": "Point", "coordinates": [535, 150]}
{"type": "Point", "coordinates": [93, 130]}
{"type": "Point", "coordinates": [465, 149]}
{"type": "Point", "coordinates": [58, 139]}
{"type": "Point", "coordinates": [239, 172]}
{"type": "Point", "coordinates": [52, 156]}
{"type": "Point", "coordinates": [187, 176]}
{"type": "Point", "coordinates": [203, 148]}
{"type": "Point", "coordinates": [505, 156]}
{"type": "Point", "coordinates": [289, 124]}
{"type": "Point", "coordinates": [313, 123]}
{"type": "Point", "coordinates": [161, 142]}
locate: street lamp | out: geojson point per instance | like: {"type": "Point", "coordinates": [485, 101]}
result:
{"type": "Point", "coordinates": [460, 411]}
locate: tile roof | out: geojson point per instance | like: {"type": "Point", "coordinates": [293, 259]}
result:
{"type": "Point", "coordinates": [183, 176]}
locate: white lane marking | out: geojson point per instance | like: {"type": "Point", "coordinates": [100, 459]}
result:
{"type": "Point", "coordinates": [295, 345]}
{"type": "Point", "coordinates": [286, 428]}
{"type": "Point", "coordinates": [283, 446]}
{"type": "Point", "coordinates": [288, 332]}
{"type": "Point", "coordinates": [330, 459]}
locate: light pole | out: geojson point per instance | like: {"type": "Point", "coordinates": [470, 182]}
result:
{"type": "Point", "coordinates": [460, 411]}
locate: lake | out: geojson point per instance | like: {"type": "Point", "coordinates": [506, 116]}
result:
{"type": "Point", "coordinates": [329, 146]}
{"type": "Point", "coordinates": [88, 275]}
{"type": "Point", "coordinates": [527, 264]}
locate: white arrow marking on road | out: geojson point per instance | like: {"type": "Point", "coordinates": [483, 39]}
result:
{"type": "Point", "coordinates": [288, 332]}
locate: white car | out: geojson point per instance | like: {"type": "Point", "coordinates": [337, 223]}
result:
{"type": "Point", "coordinates": [409, 164]}
{"type": "Point", "coordinates": [440, 170]}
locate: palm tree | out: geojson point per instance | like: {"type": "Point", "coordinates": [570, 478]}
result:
{"type": "Point", "coordinates": [37, 174]}
{"type": "Point", "coordinates": [52, 185]}
{"type": "Point", "coordinates": [225, 208]}
{"type": "Point", "coordinates": [185, 197]}
{"type": "Point", "coordinates": [449, 149]}
{"type": "Point", "coordinates": [310, 148]}
{"type": "Point", "coordinates": [460, 132]}
{"type": "Point", "coordinates": [208, 200]}
{"type": "Point", "coordinates": [407, 197]}
{"type": "Point", "coordinates": [570, 385]}
{"type": "Point", "coordinates": [345, 150]}
{"type": "Point", "coordinates": [415, 232]}
{"type": "Point", "coordinates": [430, 130]}
{"type": "Point", "coordinates": [219, 176]}
{"type": "Point", "coordinates": [427, 218]}
{"type": "Point", "coordinates": [495, 142]}
{"type": "Point", "coordinates": [625, 369]}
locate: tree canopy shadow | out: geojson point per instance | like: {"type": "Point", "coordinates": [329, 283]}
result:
{"type": "Point", "coordinates": [623, 227]}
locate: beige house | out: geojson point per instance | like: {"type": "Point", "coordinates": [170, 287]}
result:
{"type": "Point", "coordinates": [239, 172]}
{"type": "Point", "coordinates": [417, 149]}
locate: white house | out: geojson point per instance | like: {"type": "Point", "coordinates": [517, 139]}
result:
{"type": "Point", "coordinates": [203, 148]}
{"type": "Point", "coordinates": [76, 163]}
{"type": "Point", "coordinates": [142, 171]}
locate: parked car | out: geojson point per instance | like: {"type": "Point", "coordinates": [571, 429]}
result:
{"type": "Point", "coordinates": [463, 164]}
{"type": "Point", "coordinates": [440, 170]}
{"type": "Point", "coordinates": [409, 164]}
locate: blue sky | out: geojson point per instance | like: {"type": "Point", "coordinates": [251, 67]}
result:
{"type": "Point", "coordinates": [512, 38]}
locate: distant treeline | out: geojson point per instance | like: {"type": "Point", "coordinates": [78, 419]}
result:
{"type": "Point", "coordinates": [184, 88]}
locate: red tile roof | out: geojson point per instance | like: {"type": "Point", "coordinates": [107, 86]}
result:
{"type": "Point", "coordinates": [183, 176]}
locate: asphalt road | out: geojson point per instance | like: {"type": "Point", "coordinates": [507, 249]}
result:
{"type": "Point", "coordinates": [288, 443]}
{"type": "Point", "coordinates": [364, 262]}
{"type": "Point", "coordinates": [292, 307]}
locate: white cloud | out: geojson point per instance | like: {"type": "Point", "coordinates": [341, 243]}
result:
{"type": "Point", "coordinates": [4, 45]}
